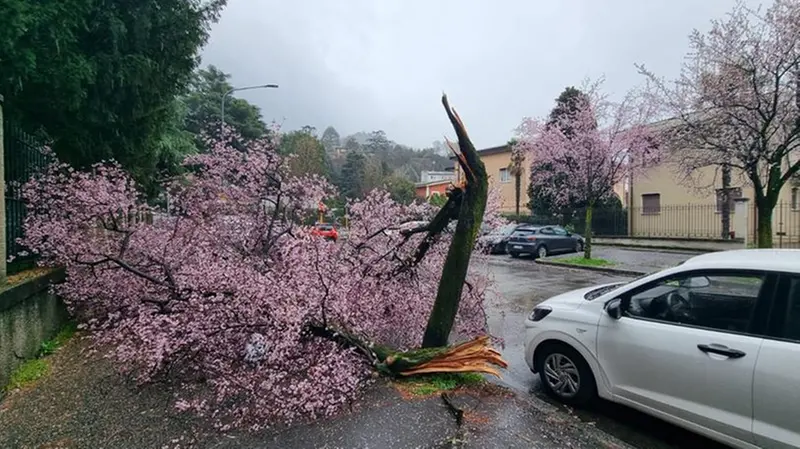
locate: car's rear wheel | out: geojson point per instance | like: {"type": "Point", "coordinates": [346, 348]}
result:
{"type": "Point", "coordinates": [541, 252]}
{"type": "Point", "coordinates": [565, 374]}
{"type": "Point", "coordinates": [514, 255]}
{"type": "Point", "coordinates": [578, 246]}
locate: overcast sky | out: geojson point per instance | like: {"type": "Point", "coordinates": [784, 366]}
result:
{"type": "Point", "coordinates": [363, 65]}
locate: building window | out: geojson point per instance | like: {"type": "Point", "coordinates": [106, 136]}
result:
{"type": "Point", "coordinates": [733, 193]}
{"type": "Point", "coordinates": [795, 199]}
{"type": "Point", "coordinates": [651, 203]}
{"type": "Point", "coordinates": [505, 175]}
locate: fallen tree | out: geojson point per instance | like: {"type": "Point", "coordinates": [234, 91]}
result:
{"type": "Point", "coordinates": [227, 291]}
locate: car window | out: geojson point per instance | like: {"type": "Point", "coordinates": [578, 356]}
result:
{"type": "Point", "coordinates": [722, 302]}
{"type": "Point", "coordinates": [560, 231]}
{"type": "Point", "coordinates": [546, 231]}
{"type": "Point", "coordinates": [791, 328]}
{"type": "Point", "coordinates": [523, 232]}
{"type": "Point", "coordinates": [505, 230]}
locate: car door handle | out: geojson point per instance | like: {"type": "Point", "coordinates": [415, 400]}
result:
{"type": "Point", "coordinates": [722, 350]}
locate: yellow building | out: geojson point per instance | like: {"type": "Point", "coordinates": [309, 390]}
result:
{"type": "Point", "coordinates": [498, 161]}
{"type": "Point", "coordinates": [662, 202]}
{"type": "Point", "coordinates": [666, 202]}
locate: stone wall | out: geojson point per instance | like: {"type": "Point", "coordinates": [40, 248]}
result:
{"type": "Point", "coordinates": [29, 315]}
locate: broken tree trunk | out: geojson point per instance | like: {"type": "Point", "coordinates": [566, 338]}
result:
{"type": "Point", "coordinates": [474, 356]}
{"type": "Point", "coordinates": [466, 203]}
{"type": "Point", "coordinates": [473, 193]}
{"type": "Point", "coordinates": [471, 357]}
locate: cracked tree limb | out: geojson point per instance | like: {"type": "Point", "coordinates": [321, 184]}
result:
{"type": "Point", "coordinates": [470, 208]}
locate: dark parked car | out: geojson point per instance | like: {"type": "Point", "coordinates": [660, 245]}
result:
{"type": "Point", "coordinates": [495, 241]}
{"type": "Point", "coordinates": [539, 241]}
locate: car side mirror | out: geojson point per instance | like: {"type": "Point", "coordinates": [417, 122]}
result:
{"type": "Point", "coordinates": [569, 234]}
{"type": "Point", "coordinates": [614, 308]}
{"type": "Point", "coordinates": [696, 282]}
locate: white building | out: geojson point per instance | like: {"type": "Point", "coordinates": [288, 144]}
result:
{"type": "Point", "coordinates": [436, 176]}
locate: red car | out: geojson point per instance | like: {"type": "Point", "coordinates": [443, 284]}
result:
{"type": "Point", "coordinates": [325, 230]}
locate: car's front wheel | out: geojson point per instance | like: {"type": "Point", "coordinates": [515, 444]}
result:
{"type": "Point", "coordinates": [565, 374]}
{"type": "Point", "coordinates": [578, 246]}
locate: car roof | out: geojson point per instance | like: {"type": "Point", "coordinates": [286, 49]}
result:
{"type": "Point", "coordinates": [755, 259]}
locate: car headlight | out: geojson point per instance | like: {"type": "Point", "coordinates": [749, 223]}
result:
{"type": "Point", "coordinates": [539, 312]}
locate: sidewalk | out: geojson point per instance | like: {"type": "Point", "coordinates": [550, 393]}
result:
{"type": "Point", "coordinates": [644, 261]}
{"type": "Point", "coordinates": [82, 403]}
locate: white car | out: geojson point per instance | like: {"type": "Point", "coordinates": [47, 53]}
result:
{"type": "Point", "coordinates": [712, 345]}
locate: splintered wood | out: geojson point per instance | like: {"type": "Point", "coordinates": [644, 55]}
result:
{"type": "Point", "coordinates": [471, 357]}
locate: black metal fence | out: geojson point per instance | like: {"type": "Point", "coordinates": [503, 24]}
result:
{"type": "Point", "coordinates": [688, 221]}
{"type": "Point", "coordinates": [677, 221]}
{"type": "Point", "coordinates": [785, 225]}
{"type": "Point", "coordinates": [22, 157]}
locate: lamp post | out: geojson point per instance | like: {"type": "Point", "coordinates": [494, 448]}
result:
{"type": "Point", "coordinates": [230, 91]}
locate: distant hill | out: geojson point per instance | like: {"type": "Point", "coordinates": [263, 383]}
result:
{"type": "Point", "coordinates": [402, 160]}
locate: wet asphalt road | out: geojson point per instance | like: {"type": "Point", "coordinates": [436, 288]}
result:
{"type": "Point", "coordinates": [521, 285]}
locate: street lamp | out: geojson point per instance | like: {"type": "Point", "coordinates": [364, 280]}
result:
{"type": "Point", "coordinates": [230, 91]}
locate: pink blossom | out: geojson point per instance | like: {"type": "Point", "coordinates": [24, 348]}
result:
{"type": "Point", "coordinates": [592, 149]}
{"type": "Point", "coordinates": [224, 289]}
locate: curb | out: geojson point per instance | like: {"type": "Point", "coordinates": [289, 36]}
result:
{"type": "Point", "coordinates": [671, 249]}
{"type": "Point", "coordinates": [619, 271]}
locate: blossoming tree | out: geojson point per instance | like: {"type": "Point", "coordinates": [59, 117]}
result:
{"type": "Point", "coordinates": [736, 103]}
{"type": "Point", "coordinates": [589, 150]}
{"type": "Point", "coordinates": [230, 297]}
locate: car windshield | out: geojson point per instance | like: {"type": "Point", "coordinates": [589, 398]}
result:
{"type": "Point", "coordinates": [324, 227]}
{"type": "Point", "coordinates": [600, 291]}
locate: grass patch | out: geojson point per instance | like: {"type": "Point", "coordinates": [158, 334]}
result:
{"type": "Point", "coordinates": [581, 261]}
{"type": "Point", "coordinates": [34, 369]}
{"type": "Point", "coordinates": [50, 346]}
{"type": "Point", "coordinates": [26, 373]}
{"type": "Point", "coordinates": [428, 384]}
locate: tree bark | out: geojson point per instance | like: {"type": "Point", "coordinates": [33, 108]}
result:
{"type": "Point", "coordinates": [725, 209]}
{"type": "Point", "coordinates": [587, 233]}
{"type": "Point", "coordinates": [470, 217]}
{"type": "Point", "coordinates": [764, 224]}
{"type": "Point", "coordinates": [517, 189]}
